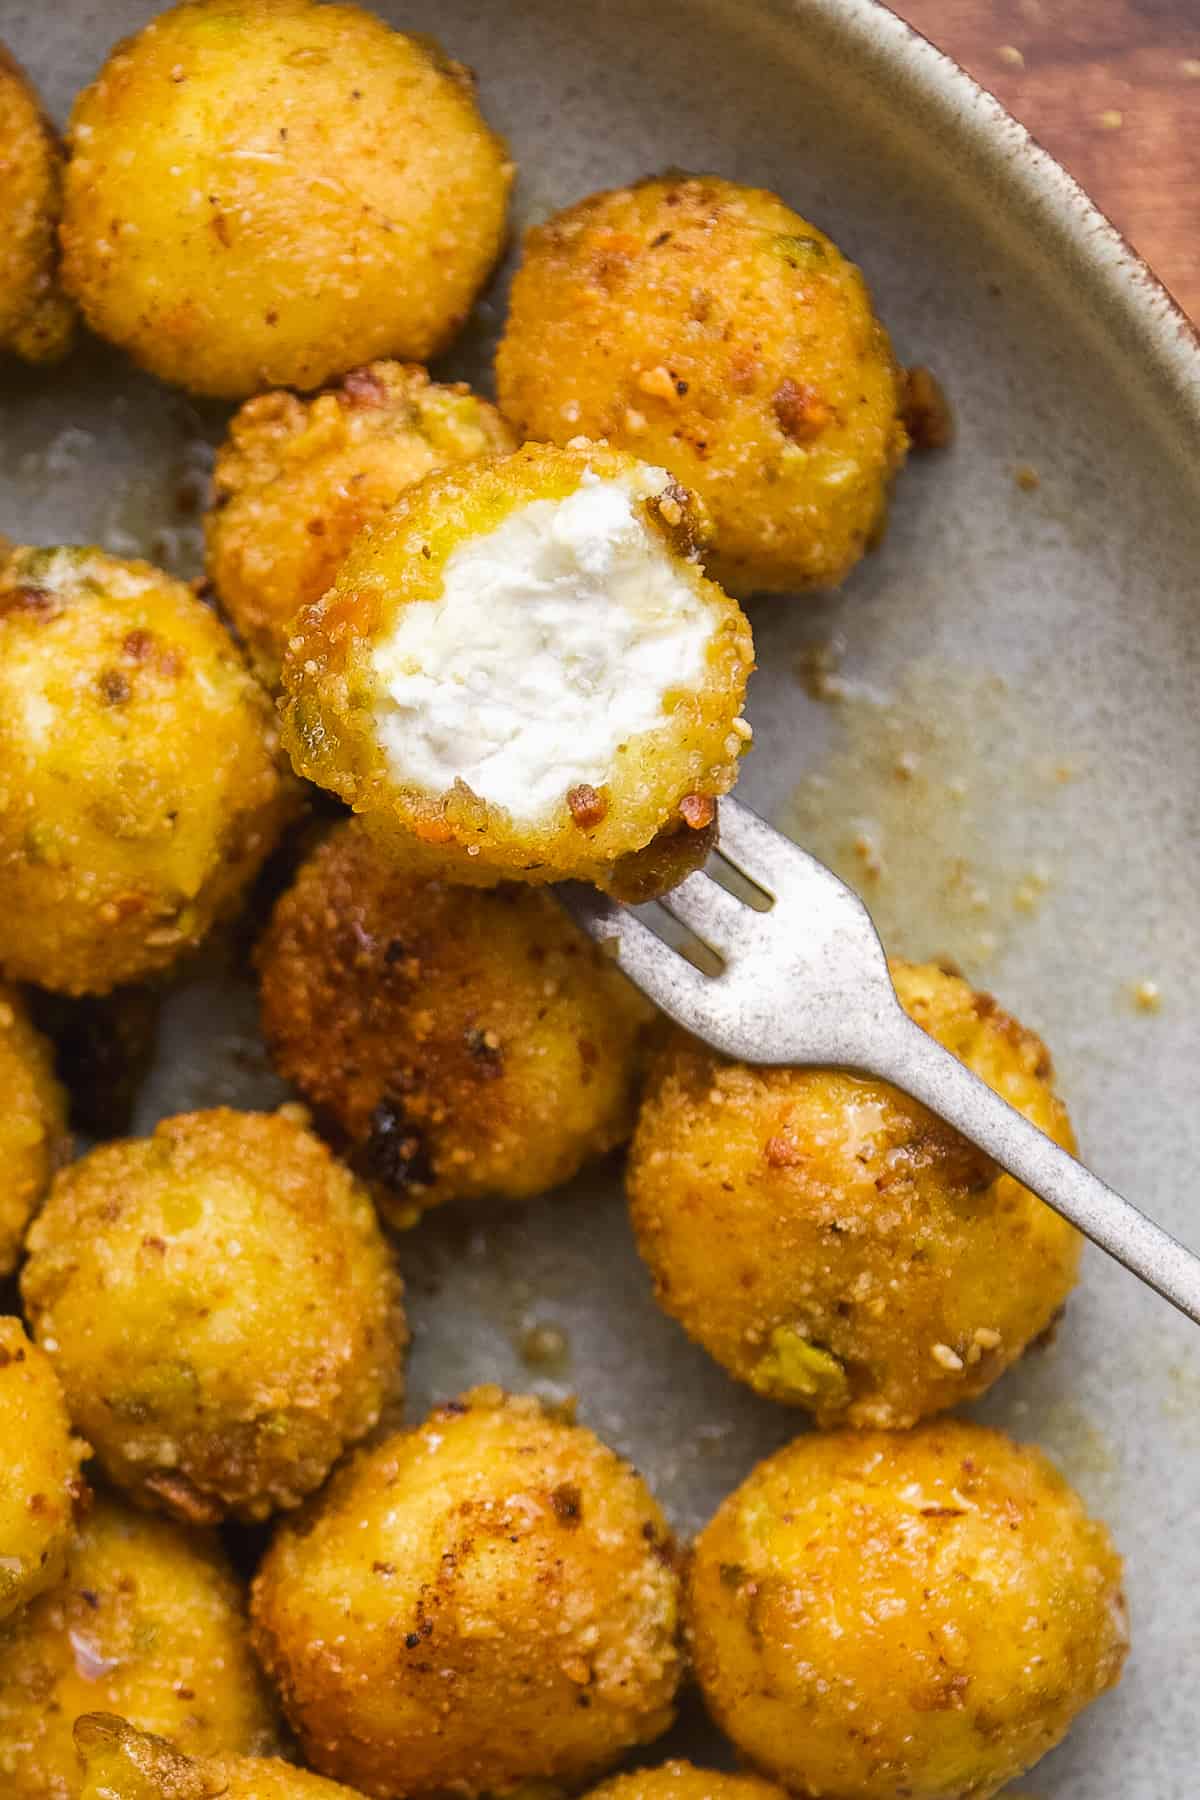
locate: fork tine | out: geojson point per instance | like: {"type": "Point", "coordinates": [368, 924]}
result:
{"type": "Point", "coordinates": [661, 973]}
{"type": "Point", "coordinates": [763, 854]}
{"type": "Point", "coordinates": [717, 917]}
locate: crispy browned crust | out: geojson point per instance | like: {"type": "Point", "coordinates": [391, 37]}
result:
{"type": "Point", "coordinates": [458, 1042]}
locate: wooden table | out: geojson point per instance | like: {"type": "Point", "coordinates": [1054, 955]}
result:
{"type": "Point", "coordinates": [1112, 89]}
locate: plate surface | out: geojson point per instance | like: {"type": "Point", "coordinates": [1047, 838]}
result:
{"type": "Point", "coordinates": [1037, 648]}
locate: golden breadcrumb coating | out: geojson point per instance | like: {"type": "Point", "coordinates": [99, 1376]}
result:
{"type": "Point", "coordinates": [139, 766]}
{"type": "Point", "coordinates": [269, 194]}
{"type": "Point", "coordinates": [297, 479]}
{"type": "Point", "coordinates": [834, 1244]}
{"type": "Point", "coordinates": [34, 1139]}
{"type": "Point", "coordinates": [123, 1764]}
{"type": "Point", "coordinates": [148, 1624]}
{"type": "Point", "coordinates": [484, 1602]}
{"type": "Point", "coordinates": [341, 720]}
{"type": "Point", "coordinates": [221, 1308]}
{"type": "Point", "coordinates": [36, 319]}
{"type": "Point", "coordinates": [707, 327]}
{"type": "Point", "coordinates": [41, 1491]}
{"type": "Point", "coordinates": [903, 1616]}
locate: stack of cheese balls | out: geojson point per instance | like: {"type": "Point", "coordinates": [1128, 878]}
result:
{"type": "Point", "coordinates": [504, 635]}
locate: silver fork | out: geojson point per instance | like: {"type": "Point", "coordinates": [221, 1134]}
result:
{"type": "Point", "coordinates": [805, 981]}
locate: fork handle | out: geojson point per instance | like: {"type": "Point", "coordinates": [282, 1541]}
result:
{"type": "Point", "coordinates": [916, 1063]}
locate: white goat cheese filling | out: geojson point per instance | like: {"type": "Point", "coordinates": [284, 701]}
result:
{"type": "Point", "coordinates": [554, 641]}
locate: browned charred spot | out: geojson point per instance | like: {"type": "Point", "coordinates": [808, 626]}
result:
{"type": "Point", "coordinates": [486, 1050]}
{"type": "Point", "coordinates": [781, 1153]}
{"type": "Point", "coordinates": [394, 953]}
{"type": "Point", "coordinates": [943, 1695]}
{"type": "Point", "coordinates": [181, 1498]}
{"type": "Point", "coordinates": [800, 411]}
{"type": "Point", "coordinates": [8, 1356]}
{"type": "Point", "coordinates": [316, 527]}
{"type": "Point", "coordinates": [943, 1512]}
{"type": "Point", "coordinates": [144, 646]}
{"type": "Point", "coordinates": [37, 601]}
{"type": "Point", "coordinates": [114, 687]}
{"type": "Point", "coordinates": [363, 387]}
{"type": "Point", "coordinates": [698, 811]}
{"type": "Point", "coordinates": [383, 1568]}
{"type": "Point", "coordinates": [80, 1496]}
{"type": "Point", "coordinates": [413, 1641]}
{"type": "Point", "coordinates": [925, 410]}
{"type": "Point", "coordinates": [38, 1505]}
{"type": "Point", "coordinates": [586, 805]}
{"type": "Point", "coordinates": [731, 1575]}
{"type": "Point", "coordinates": [270, 317]}
{"type": "Point", "coordinates": [457, 1408]}
{"type": "Point", "coordinates": [183, 1692]}
{"type": "Point", "coordinates": [152, 1241]}
{"type": "Point", "coordinates": [395, 1153]}
{"type": "Point", "coordinates": [90, 1598]}
{"type": "Point", "coordinates": [566, 1502]}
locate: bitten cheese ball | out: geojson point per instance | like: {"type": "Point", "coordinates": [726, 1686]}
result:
{"type": "Point", "coordinates": [33, 1123]}
{"type": "Point", "coordinates": [139, 767]}
{"type": "Point", "coordinates": [835, 1245]}
{"type": "Point", "coordinates": [903, 1616]}
{"type": "Point", "coordinates": [41, 1490]}
{"type": "Point", "coordinates": [683, 1781]}
{"type": "Point", "coordinates": [268, 194]}
{"type": "Point", "coordinates": [36, 320]}
{"type": "Point", "coordinates": [297, 479]}
{"type": "Point", "coordinates": [148, 1624]}
{"type": "Point", "coordinates": [221, 1308]}
{"type": "Point", "coordinates": [457, 1042]}
{"type": "Point", "coordinates": [523, 664]}
{"type": "Point", "coordinates": [123, 1764]}
{"type": "Point", "coordinates": [485, 1602]}
{"type": "Point", "coordinates": [707, 327]}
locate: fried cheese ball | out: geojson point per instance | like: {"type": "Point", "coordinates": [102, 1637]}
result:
{"type": "Point", "coordinates": [297, 479]}
{"type": "Point", "coordinates": [139, 766]}
{"type": "Point", "coordinates": [523, 664]}
{"type": "Point", "coordinates": [487, 1601]}
{"type": "Point", "coordinates": [33, 1124]}
{"type": "Point", "coordinates": [36, 319]}
{"type": "Point", "coordinates": [835, 1245]}
{"type": "Point", "coordinates": [123, 1764]}
{"type": "Point", "coordinates": [681, 1781]}
{"type": "Point", "coordinates": [903, 1616]}
{"type": "Point", "coordinates": [456, 1042]}
{"type": "Point", "coordinates": [267, 194]}
{"type": "Point", "coordinates": [148, 1624]}
{"type": "Point", "coordinates": [707, 327]}
{"type": "Point", "coordinates": [222, 1310]}
{"type": "Point", "coordinates": [41, 1490]}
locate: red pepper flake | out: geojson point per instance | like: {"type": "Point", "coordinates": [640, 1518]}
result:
{"type": "Point", "coordinates": [800, 410]}
{"type": "Point", "coordinates": [698, 811]}
{"type": "Point", "coordinates": [587, 806]}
